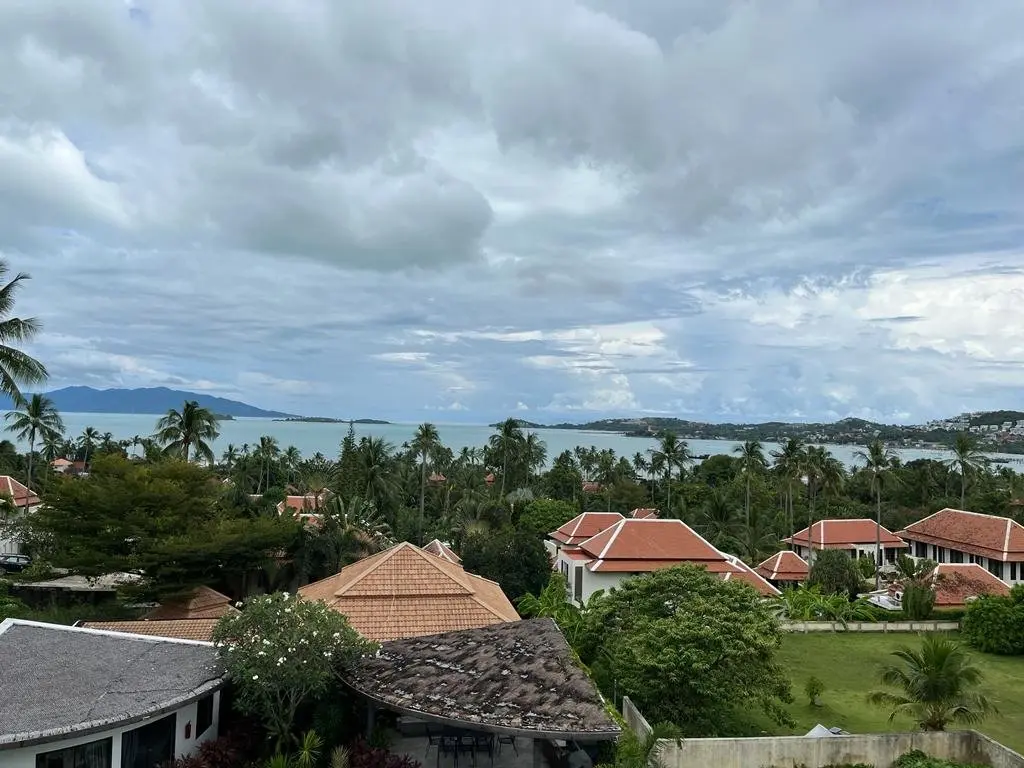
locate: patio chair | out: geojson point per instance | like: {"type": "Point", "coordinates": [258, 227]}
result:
{"type": "Point", "coordinates": [484, 742]}
{"type": "Point", "coordinates": [510, 740]}
{"type": "Point", "coordinates": [448, 745]}
{"type": "Point", "coordinates": [433, 738]}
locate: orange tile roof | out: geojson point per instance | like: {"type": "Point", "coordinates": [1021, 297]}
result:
{"type": "Point", "coordinates": [582, 527]}
{"type": "Point", "coordinates": [990, 536]}
{"type": "Point", "coordinates": [784, 566]}
{"type": "Point", "coordinates": [406, 592]}
{"type": "Point", "coordinates": [301, 504]}
{"type": "Point", "coordinates": [572, 553]}
{"type": "Point", "coordinates": [955, 584]}
{"type": "Point", "coordinates": [844, 534]}
{"type": "Point", "coordinates": [203, 603]}
{"type": "Point", "coordinates": [745, 573]}
{"type": "Point", "coordinates": [439, 548]}
{"type": "Point", "coordinates": [644, 512]}
{"type": "Point", "coordinates": [183, 629]}
{"type": "Point", "coordinates": [11, 487]}
{"type": "Point", "coordinates": [652, 540]}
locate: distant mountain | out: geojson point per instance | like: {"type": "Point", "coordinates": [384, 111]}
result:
{"type": "Point", "coordinates": [150, 400]}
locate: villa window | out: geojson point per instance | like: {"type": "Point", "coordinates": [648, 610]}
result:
{"type": "Point", "coordinates": [995, 568]}
{"type": "Point", "coordinates": [920, 549]}
{"type": "Point", "coordinates": [150, 745]}
{"type": "Point", "coordinates": [956, 556]}
{"type": "Point", "coordinates": [204, 715]}
{"type": "Point", "coordinates": [578, 584]}
{"type": "Point", "coordinates": [1013, 571]}
{"type": "Point", "coordinates": [94, 754]}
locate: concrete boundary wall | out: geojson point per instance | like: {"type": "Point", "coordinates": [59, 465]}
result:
{"type": "Point", "coordinates": [635, 719]}
{"type": "Point", "coordinates": [870, 626]}
{"type": "Point", "coordinates": [878, 749]}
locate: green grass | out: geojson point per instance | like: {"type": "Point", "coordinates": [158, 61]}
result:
{"type": "Point", "coordinates": [847, 663]}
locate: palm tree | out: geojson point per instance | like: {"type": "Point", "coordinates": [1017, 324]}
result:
{"type": "Point", "coordinates": [424, 443]}
{"type": "Point", "coordinates": [375, 457]}
{"type": "Point", "coordinates": [535, 452]}
{"type": "Point", "coordinates": [507, 442]}
{"type": "Point", "coordinates": [752, 461]}
{"type": "Point", "coordinates": [291, 458]}
{"type": "Point", "coordinates": [229, 457]}
{"type": "Point", "coordinates": [671, 454]}
{"type": "Point", "coordinates": [936, 685]}
{"type": "Point", "coordinates": [16, 367]}
{"type": "Point", "coordinates": [267, 451]}
{"type": "Point", "coordinates": [191, 428]}
{"type": "Point", "coordinates": [879, 461]}
{"type": "Point", "coordinates": [53, 447]}
{"type": "Point", "coordinates": [717, 521]}
{"type": "Point", "coordinates": [818, 464]}
{"type": "Point", "coordinates": [789, 463]}
{"type": "Point", "coordinates": [966, 459]}
{"type": "Point", "coordinates": [35, 417]}
{"type": "Point", "coordinates": [87, 442]}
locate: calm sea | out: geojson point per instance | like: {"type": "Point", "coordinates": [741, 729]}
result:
{"type": "Point", "coordinates": [325, 438]}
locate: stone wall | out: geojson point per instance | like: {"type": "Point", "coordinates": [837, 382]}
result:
{"type": "Point", "coordinates": [870, 626]}
{"type": "Point", "coordinates": [879, 750]}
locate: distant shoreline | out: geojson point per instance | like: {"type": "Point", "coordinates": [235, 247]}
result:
{"type": "Point", "coordinates": [329, 420]}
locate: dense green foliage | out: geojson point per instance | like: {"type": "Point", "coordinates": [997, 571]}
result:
{"type": "Point", "coordinates": [935, 684]}
{"type": "Point", "coordinates": [918, 601]}
{"type": "Point", "coordinates": [687, 648]}
{"type": "Point", "coordinates": [918, 759]}
{"type": "Point", "coordinates": [282, 653]}
{"type": "Point", "coordinates": [542, 516]}
{"type": "Point", "coordinates": [516, 560]}
{"type": "Point", "coordinates": [834, 573]}
{"type": "Point", "coordinates": [995, 624]}
{"type": "Point", "coordinates": [168, 520]}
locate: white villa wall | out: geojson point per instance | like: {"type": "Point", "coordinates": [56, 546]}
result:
{"type": "Point", "coordinates": [857, 551]}
{"type": "Point", "coordinates": [25, 757]}
{"type": "Point", "coordinates": [592, 582]}
{"type": "Point", "coordinates": [1002, 570]}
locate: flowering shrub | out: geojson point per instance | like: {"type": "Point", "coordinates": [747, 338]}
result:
{"type": "Point", "coordinates": [281, 651]}
{"type": "Point", "coordinates": [363, 755]}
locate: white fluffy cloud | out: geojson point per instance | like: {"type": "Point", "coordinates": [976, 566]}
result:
{"type": "Point", "coordinates": [714, 209]}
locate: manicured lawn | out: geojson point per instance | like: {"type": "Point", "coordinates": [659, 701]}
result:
{"type": "Point", "coordinates": [847, 663]}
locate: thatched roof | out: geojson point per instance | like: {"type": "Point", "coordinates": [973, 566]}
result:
{"type": "Point", "coordinates": [516, 677]}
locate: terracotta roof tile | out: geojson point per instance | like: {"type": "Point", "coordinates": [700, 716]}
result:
{"type": "Point", "coordinates": [439, 548]}
{"type": "Point", "coordinates": [184, 629]}
{"type": "Point", "coordinates": [844, 534]}
{"type": "Point", "coordinates": [745, 573]}
{"type": "Point", "coordinates": [986, 535]}
{"type": "Point", "coordinates": [643, 513]}
{"type": "Point", "coordinates": [651, 539]}
{"type": "Point", "coordinates": [784, 566]}
{"type": "Point", "coordinates": [582, 527]}
{"type": "Point", "coordinates": [955, 583]}
{"type": "Point", "coordinates": [203, 603]}
{"type": "Point", "coordinates": [406, 592]}
{"type": "Point", "coordinates": [573, 553]}
{"type": "Point", "coordinates": [11, 487]}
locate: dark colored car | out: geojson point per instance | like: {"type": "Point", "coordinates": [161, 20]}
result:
{"type": "Point", "coordinates": [14, 563]}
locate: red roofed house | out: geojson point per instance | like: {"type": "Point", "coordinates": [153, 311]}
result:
{"type": "Point", "coordinates": [302, 507]}
{"type": "Point", "coordinates": [956, 585]}
{"type": "Point", "coordinates": [579, 529]}
{"type": "Point", "coordinates": [784, 568]}
{"type": "Point", "coordinates": [857, 537]}
{"type": "Point", "coordinates": [634, 546]}
{"type": "Point", "coordinates": [61, 464]}
{"type": "Point", "coordinates": [643, 513]}
{"type": "Point", "coordinates": [956, 536]}
{"type": "Point", "coordinates": [18, 495]}
{"type": "Point", "coordinates": [442, 550]}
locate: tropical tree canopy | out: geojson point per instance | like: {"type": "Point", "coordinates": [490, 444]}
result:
{"type": "Point", "coordinates": [16, 367]}
{"type": "Point", "coordinates": [187, 431]}
{"type": "Point", "coordinates": [935, 685]}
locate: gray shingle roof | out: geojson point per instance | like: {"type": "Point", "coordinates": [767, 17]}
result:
{"type": "Point", "coordinates": [61, 680]}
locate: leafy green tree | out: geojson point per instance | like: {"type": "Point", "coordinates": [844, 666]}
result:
{"type": "Point", "coordinates": [167, 521]}
{"type": "Point", "coordinates": [553, 602]}
{"type": "Point", "coordinates": [34, 418]}
{"type": "Point", "coordinates": [425, 443]}
{"type": "Point", "coordinates": [967, 460]}
{"type": "Point", "coordinates": [87, 442]}
{"type": "Point", "coordinates": [564, 480]}
{"type": "Point", "coordinates": [517, 560]}
{"type": "Point", "coordinates": [187, 430]}
{"type": "Point", "coordinates": [995, 624]}
{"type": "Point", "coordinates": [542, 516]}
{"type": "Point", "coordinates": [348, 466]}
{"type": "Point", "coordinates": [282, 652]}
{"type": "Point", "coordinates": [918, 601]}
{"type": "Point", "coordinates": [935, 685]}
{"type": "Point", "coordinates": [688, 648]}
{"type": "Point", "coordinates": [834, 572]}
{"type": "Point", "coordinates": [16, 367]}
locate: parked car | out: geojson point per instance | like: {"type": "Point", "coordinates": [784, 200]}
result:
{"type": "Point", "coordinates": [14, 563]}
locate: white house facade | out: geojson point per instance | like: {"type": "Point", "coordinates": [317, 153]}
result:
{"type": "Point", "coordinates": [61, 709]}
{"type": "Point", "coordinates": [957, 536]}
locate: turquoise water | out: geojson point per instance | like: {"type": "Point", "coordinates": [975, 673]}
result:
{"type": "Point", "coordinates": [325, 438]}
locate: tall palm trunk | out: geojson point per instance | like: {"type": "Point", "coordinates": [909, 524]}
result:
{"type": "Point", "coordinates": [423, 492]}
{"type": "Point", "coordinates": [31, 453]}
{"type": "Point", "coordinates": [878, 535]}
{"type": "Point", "coordinates": [746, 507]}
{"type": "Point", "coordinates": [504, 471]}
{"type": "Point", "coordinates": [963, 487]}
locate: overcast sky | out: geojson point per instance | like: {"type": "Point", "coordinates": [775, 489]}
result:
{"type": "Point", "coordinates": [456, 210]}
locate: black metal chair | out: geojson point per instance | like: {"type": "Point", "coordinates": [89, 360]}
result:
{"type": "Point", "coordinates": [433, 739]}
{"type": "Point", "coordinates": [484, 742]}
{"type": "Point", "coordinates": [449, 745]}
{"type": "Point", "coordinates": [510, 740]}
